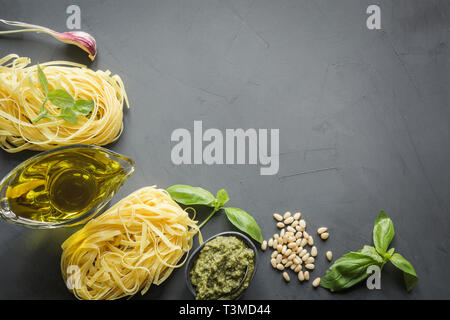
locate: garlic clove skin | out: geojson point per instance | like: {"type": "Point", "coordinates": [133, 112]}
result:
{"type": "Point", "coordinates": [81, 39]}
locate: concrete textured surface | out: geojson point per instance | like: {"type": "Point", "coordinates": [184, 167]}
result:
{"type": "Point", "coordinates": [364, 123]}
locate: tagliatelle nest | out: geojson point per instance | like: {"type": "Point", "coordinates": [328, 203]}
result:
{"type": "Point", "coordinates": [136, 243]}
{"type": "Point", "coordinates": [21, 97]}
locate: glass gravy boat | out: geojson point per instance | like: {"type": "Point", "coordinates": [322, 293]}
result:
{"type": "Point", "coordinates": [63, 187]}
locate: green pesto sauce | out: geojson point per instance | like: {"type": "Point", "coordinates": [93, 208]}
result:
{"type": "Point", "coordinates": [220, 268]}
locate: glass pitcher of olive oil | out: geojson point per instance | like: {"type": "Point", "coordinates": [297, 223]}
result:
{"type": "Point", "coordinates": [63, 187]}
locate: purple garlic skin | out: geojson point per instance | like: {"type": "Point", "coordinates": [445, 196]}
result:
{"type": "Point", "coordinates": [81, 39]}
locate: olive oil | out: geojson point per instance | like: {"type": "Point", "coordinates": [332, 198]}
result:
{"type": "Point", "coordinates": [65, 184]}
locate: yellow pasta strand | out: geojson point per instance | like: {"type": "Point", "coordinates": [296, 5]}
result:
{"type": "Point", "coordinates": [21, 97]}
{"type": "Point", "coordinates": [136, 243]}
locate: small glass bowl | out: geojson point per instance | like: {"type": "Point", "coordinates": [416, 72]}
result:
{"type": "Point", "coordinates": [196, 252]}
{"type": "Point", "coordinates": [6, 213]}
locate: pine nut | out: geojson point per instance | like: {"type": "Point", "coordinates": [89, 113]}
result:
{"type": "Point", "coordinates": [293, 267]}
{"type": "Point", "coordinates": [287, 215]}
{"type": "Point", "coordinates": [292, 245]}
{"type": "Point", "coordinates": [284, 260]}
{"type": "Point", "coordinates": [274, 263]}
{"type": "Point", "coordinates": [302, 223]}
{"type": "Point", "coordinates": [298, 268]}
{"type": "Point", "coordinates": [279, 258]}
{"type": "Point", "coordinates": [276, 236]}
{"type": "Point", "coordinates": [282, 233]}
{"type": "Point", "coordinates": [291, 230]}
{"type": "Point", "coordinates": [316, 282]}
{"type": "Point", "coordinates": [278, 217]}
{"type": "Point", "coordinates": [329, 255]}
{"type": "Point", "coordinates": [310, 260]}
{"type": "Point", "coordinates": [270, 243]}
{"type": "Point", "coordinates": [314, 251]}
{"type": "Point", "coordinates": [289, 220]}
{"type": "Point", "coordinates": [297, 215]}
{"type": "Point", "coordinates": [299, 249]}
{"type": "Point", "coordinates": [298, 235]}
{"type": "Point", "coordinates": [322, 230]}
{"type": "Point", "coordinates": [288, 252]}
{"type": "Point", "coordinates": [298, 228]}
{"type": "Point", "coordinates": [294, 224]}
{"type": "Point", "coordinates": [289, 233]}
{"type": "Point", "coordinates": [302, 253]}
{"type": "Point", "coordinates": [309, 266]}
{"type": "Point", "coordinates": [279, 247]}
{"type": "Point", "coordinates": [288, 264]}
{"type": "Point", "coordinates": [264, 245]}
{"type": "Point", "coordinates": [280, 225]}
{"type": "Point", "coordinates": [305, 235]}
{"type": "Point", "coordinates": [306, 275]}
{"type": "Point", "coordinates": [304, 242]}
{"type": "Point", "coordinates": [280, 267]}
{"type": "Point", "coordinates": [292, 256]}
{"type": "Point", "coordinates": [274, 254]}
{"type": "Point", "coordinates": [325, 236]}
{"type": "Point", "coordinates": [286, 276]}
{"type": "Point", "coordinates": [305, 256]}
{"type": "Point", "coordinates": [301, 276]}
{"type": "Point", "coordinates": [297, 261]}
{"type": "Point", "coordinates": [275, 244]}
{"type": "Point", "coordinates": [310, 241]}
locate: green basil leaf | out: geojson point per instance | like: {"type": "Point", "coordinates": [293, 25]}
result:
{"type": "Point", "coordinates": [83, 107]}
{"type": "Point", "coordinates": [347, 271]}
{"type": "Point", "coordinates": [188, 195]}
{"type": "Point", "coordinates": [61, 99]}
{"type": "Point", "coordinates": [372, 252]}
{"type": "Point", "coordinates": [42, 80]}
{"type": "Point", "coordinates": [244, 222]}
{"type": "Point", "coordinates": [383, 232]}
{"type": "Point", "coordinates": [69, 115]}
{"type": "Point", "coordinates": [409, 274]}
{"type": "Point", "coordinates": [222, 197]}
{"type": "Point", "coordinates": [389, 254]}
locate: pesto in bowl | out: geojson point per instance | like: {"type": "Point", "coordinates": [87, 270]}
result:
{"type": "Point", "coordinates": [222, 268]}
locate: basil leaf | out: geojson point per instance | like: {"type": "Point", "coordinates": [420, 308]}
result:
{"type": "Point", "coordinates": [83, 107]}
{"type": "Point", "coordinates": [222, 197]}
{"type": "Point", "coordinates": [347, 271]}
{"type": "Point", "coordinates": [69, 115]}
{"type": "Point", "coordinates": [383, 232]}
{"type": "Point", "coordinates": [61, 99]}
{"type": "Point", "coordinates": [188, 195]}
{"type": "Point", "coordinates": [388, 254]}
{"type": "Point", "coordinates": [409, 274]}
{"type": "Point", "coordinates": [372, 252]}
{"type": "Point", "coordinates": [244, 222]}
{"type": "Point", "coordinates": [42, 80]}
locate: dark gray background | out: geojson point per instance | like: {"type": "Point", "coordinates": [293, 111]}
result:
{"type": "Point", "coordinates": [369, 107]}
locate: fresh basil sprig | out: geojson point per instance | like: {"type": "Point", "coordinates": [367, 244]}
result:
{"type": "Point", "coordinates": [351, 268]}
{"type": "Point", "coordinates": [70, 108]}
{"type": "Point", "coordinates": [188, 195]}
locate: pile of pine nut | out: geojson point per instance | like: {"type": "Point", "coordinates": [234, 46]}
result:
{"type": "Point", "coordinates": [290, 247]}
